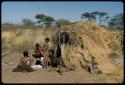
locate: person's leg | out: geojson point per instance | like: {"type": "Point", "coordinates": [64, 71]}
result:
{"type": "Point", "coordinates": [46, 58]}
{"type": "Point", "coordinates": [26, 67]}
{"type": "Point", "coordinates": [45, 61]}
{"type": "Point", "coordinates": [30, 69]}
{"type": "Point", "coordinates": [17, 69]}
{"type": "Point", "coordinates": [49, 62]}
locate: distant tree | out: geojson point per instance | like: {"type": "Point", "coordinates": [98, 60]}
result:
{"type": "Point", "coordinates": [95, 14]}
{"type": "Point", "coordinates": [61, 22]}
{"type": "Point", "coordinates": [103, 16]}
{"type": "Point", "coordinates": [28, 22]}
{"type": "Point", "coordinates": [7, 23]}
{"type": "Point", "coordinates": [116, 21]}
{"type": "Point", "coordinates": [40, 19]}
{"type": "Point", "coordinates": [7, 26]}
{"type": "Point", "coordinates": [44, 20]}
{"type": "Point", "coordinates": [48, 21]}
{"type": "Point", "coordinates": [89, 16]}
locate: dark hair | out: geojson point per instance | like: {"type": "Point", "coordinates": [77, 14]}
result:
{"type": "Point", "coordinates": [25, 53]}
{"type": "Point", "coordinates": [37, 44]}
{"type": "Point", "coordinates": [51, 51]}
{"type": "Point", "coordinates": [47, 39]}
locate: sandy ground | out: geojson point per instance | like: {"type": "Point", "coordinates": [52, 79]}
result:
{"type": "Point", "coordinates": [46, 76]}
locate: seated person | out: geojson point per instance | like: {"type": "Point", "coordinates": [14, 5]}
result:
{"type": "Point", "coordinates": [38, 55]}
{"type": "Point", "coordinates": [25, 63]}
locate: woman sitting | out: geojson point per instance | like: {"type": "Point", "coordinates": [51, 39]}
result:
{"type": "Point", "coordinates": [38, 55]}
{"type": "Point", "coordinates": [25, 63]}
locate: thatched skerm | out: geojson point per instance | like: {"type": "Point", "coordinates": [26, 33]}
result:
{"type": "Point", "coordinates": [83, 48]}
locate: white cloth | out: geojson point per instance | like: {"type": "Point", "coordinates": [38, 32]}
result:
{"type": "Point", "coordinates": [36, 67]}
{"type": "Point", "coordinates": [41, 60]}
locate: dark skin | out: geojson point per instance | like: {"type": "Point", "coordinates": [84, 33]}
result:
{"type": "Point", "coordinates": [45, 52]}
{"type": "Point", "coordinates": [25, 63]}
{"type": "Point", "coordinates": [46, 45]}
{"type": "Point", "coordinates": [26, 59]}
{"type": "Point", "coordinates": [38, 49]}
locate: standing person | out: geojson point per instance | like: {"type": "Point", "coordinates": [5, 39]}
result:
{"type": "Point", "coordinates": [25, 63]}
{"type": "Point", "coordinates": [45, 50]}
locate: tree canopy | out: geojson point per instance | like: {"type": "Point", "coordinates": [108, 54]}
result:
{"type": "Point", "coordinates": [88, 16]}
{"type": "Point", "coordinates": [61, 22]}
{"type": "Point", "coordinates": [116, 21]}
{"type": "Point", "coordinates": [28, 22]}
{"type": "Point", "coordinates": [43, 19]}
{"type": "Point", "coordinates": [40, 19]}
{"type": "Point", "coordinates": [100, 15]}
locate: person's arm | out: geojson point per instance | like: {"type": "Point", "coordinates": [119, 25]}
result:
{"type": "Point", "coordinates": [41, 50]}
{"type": "Point", "coordinates": [35, 51]}
{"type": "Point", "coordinates": [31, 61]}
{"type": "Point", "coordinates": [21, 60]}
{"type": "Point", "coordinates": [47, 46]}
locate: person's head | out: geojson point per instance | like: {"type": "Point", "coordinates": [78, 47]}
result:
{"type": "Point", "coordinates": [37, 45]}
{"type": "Point", "coordinates": [46, 40]}
{"type": "Point", "coordinates": [25, 53]}
{"type": "Point", "coordinates": [51, 52]}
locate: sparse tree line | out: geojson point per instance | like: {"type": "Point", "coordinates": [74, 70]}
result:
{"type": "Point", "coordinates": [100, 17]}
{"type": "Point", "coordinates": [45, 21]}
{"type": "Point", "coordinates": [115, 22]}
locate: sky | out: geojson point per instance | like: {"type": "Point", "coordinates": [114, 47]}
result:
{"type": "Point", "coordinates": [14, 12]}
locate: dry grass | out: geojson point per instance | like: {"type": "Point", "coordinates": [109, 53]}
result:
{"type": "Point", "coordinates": [91, 36]}
{"type": "Point", "coordinates": [95, 39]}
{"type": "Point", "coordinates": [24, 38]}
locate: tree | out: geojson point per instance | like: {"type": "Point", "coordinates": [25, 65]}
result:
{"type": "Point", "coordinates": [48, 20]}
{"type": "Point", "coordinates": [116, 21]}
{"type": "Point", "coordinates": [28, 22]}
{"type": "Point", "coordinates": [61, 22]}
{"type": "Point", "coordinates": [95, 13]}
{"type": "Point", "coordinates": [44, 20]}
{"type": "Point", "coordinates": [89, 16]}
{"type": "Point", "coordinates": [40, 18]}
{"type": "Point", "coordinates": [103, 16]}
